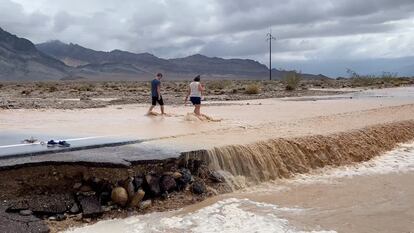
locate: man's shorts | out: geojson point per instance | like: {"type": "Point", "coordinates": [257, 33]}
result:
{"type": "Point", "coordinates": [155, 100]}
{"type": "Point", "coordinates": [195, 100]}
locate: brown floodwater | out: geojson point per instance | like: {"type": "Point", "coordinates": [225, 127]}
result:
{"type": "Point", "coordinates": [257, 141]}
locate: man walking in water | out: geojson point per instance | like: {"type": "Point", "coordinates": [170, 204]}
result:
{"type": "Point", "coordinates": [195, 92]}
{"type": "Point", "coordinates": [156, 94]}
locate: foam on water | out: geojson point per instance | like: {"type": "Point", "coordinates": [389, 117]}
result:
{"type": "Point", "coordinates": [229, 215]}
{"type": "Point", "coordinates": [400, 160]}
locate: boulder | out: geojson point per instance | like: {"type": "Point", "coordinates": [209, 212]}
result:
{"type": "Point", "coordinates": [145, 205]}
{"type": "Point", "coordinates": [167, 183]}
{"type": "Point", "coordinates": [119, 196]}
{"type": "Point", "coordinates": [138, 181]}
{"type": "Point", "coordinates": [185, 178]}
{"type": "Point", "coordinates": [77, 186]}
{"type": "Point", "coordinates": [91, 207]}
{"type": "Point", "coordinates": [85, 189]}
{"type": "Point", "coordinates": [74, 209]}
{"type": "Point", "coordinates": [216, 177]}
{"type": "Point", "coordinates": [129, 187]}
{"type": "Point", "coordinates": [105, 197]}
{"type": "Point", "coordinates": [177, 175]}
{"type": "Point", "coordinates": [99, 185]}
{"type": "Point", "coordinates": [137, 198]}
{"type": "Point", "coordinates": [60, 217]}
{"type": "Point", "coordinates": [25, 212]}
{"type": "Point", "coordinates": [198, 187]}
{"type": "Point", "coordinates": [153, 183]}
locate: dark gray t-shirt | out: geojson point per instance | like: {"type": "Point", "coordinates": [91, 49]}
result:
{"type": "Point", "coordinates": [154, 87]}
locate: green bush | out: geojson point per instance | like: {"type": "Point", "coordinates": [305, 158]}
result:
{"type": "Point", "coordinates": [252, 89]}
{"type": "Point", "coordinates": [292, 80]}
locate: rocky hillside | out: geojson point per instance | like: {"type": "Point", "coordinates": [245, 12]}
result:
{"type": "Point", "coordinates": [122, 64]}
{"type": "Point", "coordinates": [20, 60]}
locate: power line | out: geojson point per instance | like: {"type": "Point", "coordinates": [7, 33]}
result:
{"type": "Point", "coordinates": [269, 38]}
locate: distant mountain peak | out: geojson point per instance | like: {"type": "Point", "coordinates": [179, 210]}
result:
{"type": "Point", "coordinates": [57, 42]}
{"type": "Point", "coordinates": [197, 55]}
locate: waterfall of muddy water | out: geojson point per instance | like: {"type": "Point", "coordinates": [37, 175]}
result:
{"type": "Point", "coordinates": [306, 203]}
{"type": "Point", "coordinates": [243, 165]}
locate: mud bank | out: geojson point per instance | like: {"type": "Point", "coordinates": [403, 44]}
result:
{"type": "Point", "coordinates": [237, 165]}
{"type": "Point", "coordinates": [66, 195]}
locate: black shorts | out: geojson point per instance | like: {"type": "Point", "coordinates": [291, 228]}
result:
{"type": "Point", "coordinates": [195, 100]}
{"type": "Point", "coordinates": [155, 100]}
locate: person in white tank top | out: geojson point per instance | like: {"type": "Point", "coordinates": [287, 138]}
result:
{"type": "Point", "coordinates": [195, 92]}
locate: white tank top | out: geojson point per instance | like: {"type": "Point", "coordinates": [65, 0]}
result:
{"type": "Point", "coordinates": [195, 92]}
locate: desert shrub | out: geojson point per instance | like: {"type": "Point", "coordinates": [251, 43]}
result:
{"type": "Point", "coordinates": [218, 84]}
{"type": "Point", "coordinates": [86, 88]}
{"type": "Point", "coordinates": [252, 89]}
{"type": "Point", "coordinates": [52, 89]}
{"type": "Point", "coordinates": [26, 92]}
{"type": "Point", "coordinates": [386, 78]}
{"type": "Point", "coordinates": [1, 85]}
{"type": "Point", "coordinates": [292, 80]}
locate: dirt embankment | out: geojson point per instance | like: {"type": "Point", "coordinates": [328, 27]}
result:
{"type": "Point", "coordinates": [72, 194]}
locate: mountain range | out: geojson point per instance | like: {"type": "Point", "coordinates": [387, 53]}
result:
{"type": "Point", "coordinates": [20, 59]}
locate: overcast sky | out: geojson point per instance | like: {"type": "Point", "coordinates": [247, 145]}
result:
{"type": "Point", "coordinates": [312, 35]}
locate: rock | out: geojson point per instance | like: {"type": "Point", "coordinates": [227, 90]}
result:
{"type": "Point", "coordinates": [119, 196]}
{"type": "Point", "coordinates": [138, 181]}
{"type": "Point", "coordinates": [74, 209]}
{"type": "Point", "coordinates": [167, 173]}
{"type": "Point", "coordinates": [25, 212]}
{"type": "Point", "coordinates": [216, 177]}
{"type": "Point", "coordinates": [99, 185]}
{"type": "Point", "coordinates": [60, 217]}
{"type": "Point", "coordinates": [51, 204]}
{"type": "Point", "coordinates": [105, 197]}
{"type": "Point", "coordinates": [177, 175]}
{"type": "Point", "coordinates": [129, 187]}
{"type": "Point", "coordinates": [145, 205]}
{"type": "Point", "coordinates": [77, 186]}
{"type": "Point", "coordinates": [91, 207]}
{"type": "Point", "coordinates": [167, 183]}
{"type": "Point", "coordinates": [96, 180]}
{"type": "Point", "coordinates": [184, 179]}
{"type": "Point", "coordinates": [85, 189]}
{"type": "Point", "coordinates": [198, 187]}
{"type": "Point", "coordinates": [186, 176]}
{"type": "Point", "coordinates": [153, 183]}
{"type": "Point", "coordinates": [137, 198]}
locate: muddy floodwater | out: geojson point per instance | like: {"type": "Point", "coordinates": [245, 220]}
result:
{"type": "Point", "coordinates": [374, 196]}
{"type": "Point", "coordinates": [342, 163]}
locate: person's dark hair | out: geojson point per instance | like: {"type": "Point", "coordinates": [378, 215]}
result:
{"type": "Point", "coordinates": [197, 78]}
{"type": "Point", "coordinates": [159, 75]}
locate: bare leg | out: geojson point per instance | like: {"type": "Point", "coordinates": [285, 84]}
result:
{"type": "Point", "coordinates": [197, 109]}
{"type": "Point", "coordinates": [151, 108]}
{"type": "Point", "coordinates": [162, 110]}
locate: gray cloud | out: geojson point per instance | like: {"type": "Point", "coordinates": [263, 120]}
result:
{"type": "Point", "coordinates": [308, 31]}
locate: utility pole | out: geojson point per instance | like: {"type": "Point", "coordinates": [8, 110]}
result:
{"type": "Point", "coordinates": [270, 37]}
